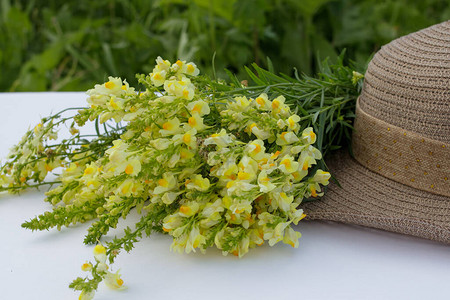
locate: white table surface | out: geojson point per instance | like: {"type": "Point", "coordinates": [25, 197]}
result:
{"type": "Point", "coordinates": [333, 261]}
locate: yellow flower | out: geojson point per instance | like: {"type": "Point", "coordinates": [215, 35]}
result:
{"type": "Point", "coordinates": [198, 183]}
{"type": "Point", "coordinates": [299, 175]}
{"type": "Point", "coordinates": [305, 160]}
{"type": "Point", "coordinates": [195, 240]}
{"type": "Point", "coordinates": [309, 136]}
{"type": "Point", "coordinates": [128, 187]}
{"type": "Point", "coordinates": [158, 78]}
{"type": "Point", "coordinates": [161, 65]}
{"type": "Point", "coordinates": [286, 138]}
{"type": "Point", "coordinates": [189, 138]}
{"type": "Point", "coordinates": [117, 153]}
{"type": "Point", "coordinates": [180, 88]}
{"type": "Point", "coordinates": [191, 69]}
{"type": "Point", "coordinates": [281, 200]}
{"type": "Point", "coordinates": [133, 167]}
{"type": "Point", "coordinates": [291, 237]}
{"type": "Point", "coordinates": [171, 127]}
{"type": "Point", "coordinates": [169, 197]}
{"type": "Point", "coordinates": [238, 186]}
{"type": "Point", "coordinates": [239, 104]}
{"type": "Point", "coordinates": [262, 102]}
{"type": "Point", "coordinates": [100, 253]}
{"type": "Point", "coordinates": [113, 281]}
{"type": "Point", "coordinates": [221, 139]}
{"type": "Point", "coordinates": [199, 107]}
{"type": "Point", "coordinates": [228, 170]}
{"type": "Point", "coordinates": [189, 209]}
{"type": "Point", "coordinates": [171, 222]}
{"type": "Point", "coordinates": [321, 177]}
{"type": "Point", "coordinates": [264, 183]}
{"type": "Point", "coordinates": [178, 66]}
{"type": "Point", "coordinates": [292, 122]}
{"type": "Point", "coordinates": [275, 235]}
{"type": "Point", "coordinates": [256, 149]}
{"type": "Point", "coordinates": [259, 133]}
{"type": "Point", "coordinates": [278, 106]}
{"type": "Point", "coordinates": [186, 154]}
{"type": "Point", "coordinates": [109, 88]}
{"type": "Point", "coordinates": [196, 122]}
{"type": "Point", "coordinates": [248, 168]}
{"type": "Point", "coordinates": [167, 183]}
{"type": "Point", "coordinates": [313, 188]}
{"type": "Point", "coordinates": [288, 164]}
{"type": "Point", "coordinates": [86, 267]}
{"type": "Point", "coordinates": [115, 103]}
{"type": "Point", "coordinates": [160, 144]}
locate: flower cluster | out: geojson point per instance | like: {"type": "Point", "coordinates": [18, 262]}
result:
{"type": "Point", "coordinates": [229, 174]}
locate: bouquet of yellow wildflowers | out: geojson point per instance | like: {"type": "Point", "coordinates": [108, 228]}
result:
{"type": "Point", "coordinates": [208, 163]}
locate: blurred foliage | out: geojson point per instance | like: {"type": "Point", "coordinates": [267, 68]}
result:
{"type": "Point", "coordinates": [72, 44]}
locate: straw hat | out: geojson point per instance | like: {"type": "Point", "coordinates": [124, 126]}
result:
{"type": "Point", "coordinates": [399, 178]}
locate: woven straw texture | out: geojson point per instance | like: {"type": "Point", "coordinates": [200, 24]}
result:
{"type": "Point", "coordinates": [407, 85]}
{"type": "Point", "coordinates": [401, 155]}
{"type": "Point", "coordinates": [369, 199]}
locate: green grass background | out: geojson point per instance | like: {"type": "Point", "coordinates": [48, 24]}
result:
{"type": "Point", "coordinates": [73, 44]}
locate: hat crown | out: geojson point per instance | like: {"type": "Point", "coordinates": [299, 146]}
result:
{"type": "Point", "coordinates": [407, 83]}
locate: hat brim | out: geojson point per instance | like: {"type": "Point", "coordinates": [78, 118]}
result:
{"type": "Point", "coordinates": [369, 199]}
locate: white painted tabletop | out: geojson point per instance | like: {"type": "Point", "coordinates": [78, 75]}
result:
{"type": "Point", "coordinates": [333, 261]}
